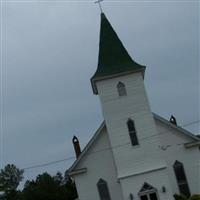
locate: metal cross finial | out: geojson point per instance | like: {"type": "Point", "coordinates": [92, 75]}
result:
{"type": "Point", "coordinates": [99, 2]}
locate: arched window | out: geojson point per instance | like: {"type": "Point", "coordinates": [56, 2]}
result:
{"type": "Point", "coordinates": [121, 89]}
{"type": "Point", "coordinates": [103, 190]}
{"type": "Point", "coordinates": [181, 178]}
{"type": "Point", "coordinates": [132, 132]}
{"type": "Point", "coordinates": [148, 192]}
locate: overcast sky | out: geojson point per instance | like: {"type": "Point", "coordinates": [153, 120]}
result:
{"type": "Point", "coordinates": [50, 51]}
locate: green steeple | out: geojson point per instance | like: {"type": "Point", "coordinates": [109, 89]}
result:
{"type": "Point", "coordinates": [113, 57]}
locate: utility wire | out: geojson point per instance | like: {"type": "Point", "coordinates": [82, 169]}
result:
{"type": "Point", "coordinates": [105, 149]}
{"type": "Point", "coordinates": [48, 163]}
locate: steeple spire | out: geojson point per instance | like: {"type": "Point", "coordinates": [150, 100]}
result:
{"type": "Point", "coordinates": [113, 57]}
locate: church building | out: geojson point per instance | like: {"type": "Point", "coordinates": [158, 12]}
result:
{"type": "Point", "coordinates": [134, 154]}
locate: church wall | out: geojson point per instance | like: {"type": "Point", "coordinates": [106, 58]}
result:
{"type": "Point", "coordinates": [112, 157]}
{"type": "Point", "coordinates": [99, 164]}
{"type": "Point", "coordinates": [173, 141]}
{"type": "Point", "coordinates": [157, 179]}
{"type": "Point", "coordinates": [116, 111]}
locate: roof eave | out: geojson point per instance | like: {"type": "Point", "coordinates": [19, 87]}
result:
{"type": "Point", "coordinates": [78, 171]}
{"type": "Point", "coordinates": [71, 169]}
{"type": "Point", "coordinates": [192, 144]}
{"type": "Point", "coordinates": [178, 128]}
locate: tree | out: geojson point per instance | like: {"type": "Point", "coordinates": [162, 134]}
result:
{"type": "Point", "coordinates": [10, 178]}
{"type": "Point", "coordinates": [58, 178]}
{"type": "Point", "coordinates": [47, 187]}
{"type": "Point", "coordinates": [70, 184]}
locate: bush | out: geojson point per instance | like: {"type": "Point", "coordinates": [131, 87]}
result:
{"type": "Point", "coordinates": [195, 197]}
{"type": "Point", "coordinates": [182, 197]}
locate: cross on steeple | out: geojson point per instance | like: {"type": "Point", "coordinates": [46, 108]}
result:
{"type": "Point", "coordinates": [99, 2]}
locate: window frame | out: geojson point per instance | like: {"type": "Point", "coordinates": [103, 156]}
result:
{"type": "Point", "coordinates": [148, 192]}
{"type": "Point", "coordinates": [148, 195]}
{"type": "Point", "coordinates": [132, 132]}
{"type": "Point", "coordinates": [121, 89]}
{"type": "Point", "coordinates": [177, 166]}
{"type": "Point", "coordinates": [102, 195]}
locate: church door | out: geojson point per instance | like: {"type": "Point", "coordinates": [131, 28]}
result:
{"type": "Point", "coordinates": [148, 192]}
{"type": "Point", "coordinates": [150, 196]}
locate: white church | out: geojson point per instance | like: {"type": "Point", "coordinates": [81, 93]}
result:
{"type": "Point", "coordinates": [134, 154]}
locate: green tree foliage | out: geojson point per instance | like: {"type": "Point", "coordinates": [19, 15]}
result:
{"type": "Point", "coordinates": [181, 197]}
{"type": "Point", "coordinates": [195, 197]}
{"type": "Point", "coordinates": [46, 187]}
{"type": "Point", "coordinates": [10, 177]}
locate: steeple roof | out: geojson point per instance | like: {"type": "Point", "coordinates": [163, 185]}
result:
{"type": "Point", "coordinates": [113, 57]}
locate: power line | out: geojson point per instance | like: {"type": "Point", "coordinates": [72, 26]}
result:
{"type": "Point", "coordinates": [49, 163]}
{"type": "Point", "coordinates": [191, 123]}
{"type": "Point", "coordinates": [105, 149]}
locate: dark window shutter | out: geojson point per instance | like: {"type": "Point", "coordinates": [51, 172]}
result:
{"type": "Point", "coordinates": [103, 190]}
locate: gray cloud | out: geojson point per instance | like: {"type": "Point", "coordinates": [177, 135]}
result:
{"type": "Point", "coordinates": [50, 51]}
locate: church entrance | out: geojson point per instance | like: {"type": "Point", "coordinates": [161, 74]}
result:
{"type": "Point", "coordinates": [148, 192]}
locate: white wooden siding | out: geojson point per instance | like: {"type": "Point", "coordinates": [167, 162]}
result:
{"type": "Point", "coordinates": [100, 164]}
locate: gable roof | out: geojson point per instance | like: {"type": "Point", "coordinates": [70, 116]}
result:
{"type": "Point", "coordinates": [156, 117]}
{"type": "Point", "coordinates": [87, 147]}
{"type": "Point", "coordinates": [113, 57]}
{"type": "Point", "coordinates": [178, 128]}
